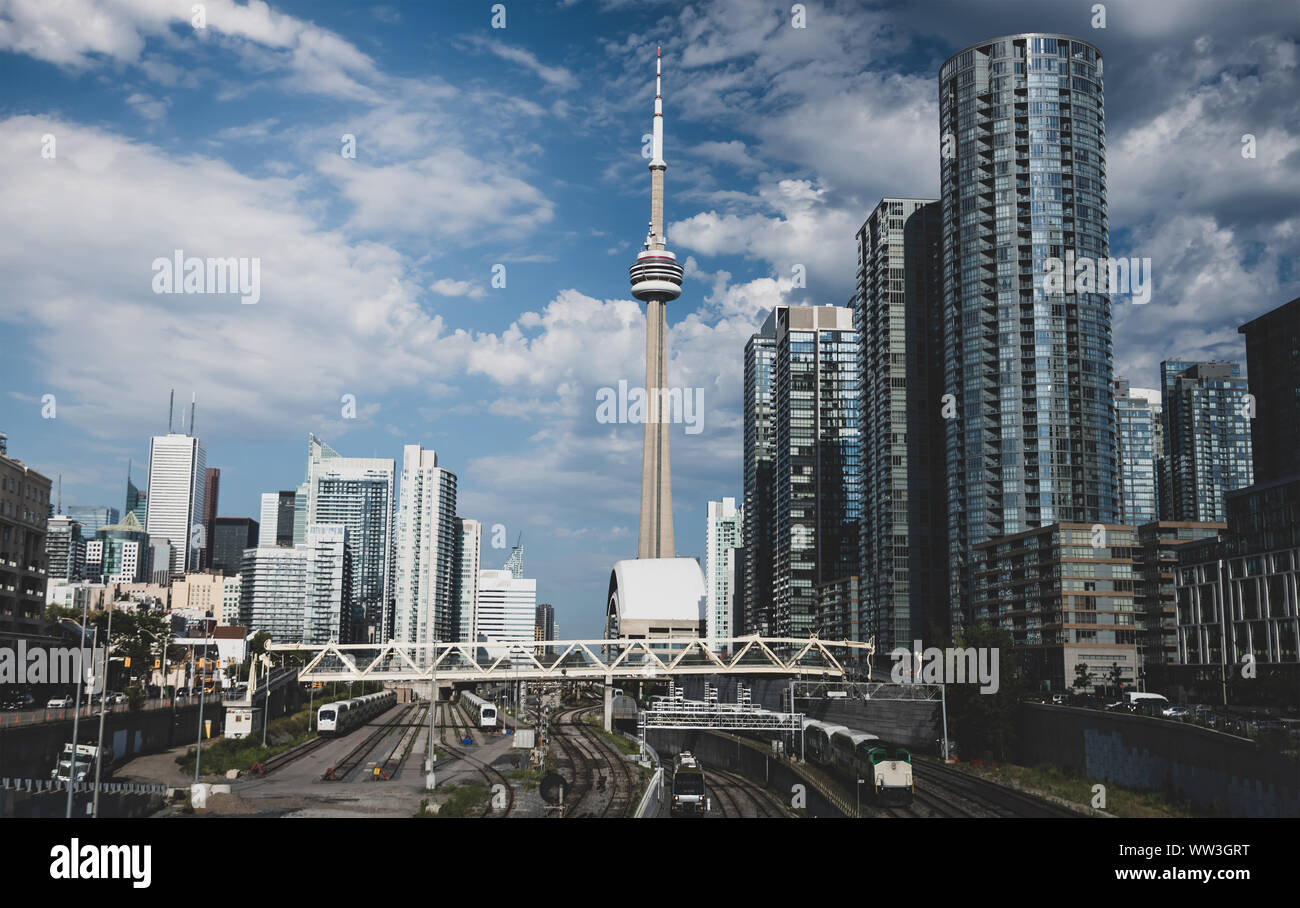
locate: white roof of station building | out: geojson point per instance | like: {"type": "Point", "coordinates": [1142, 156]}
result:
{"type": "Point", "coordinates": [658, 589]}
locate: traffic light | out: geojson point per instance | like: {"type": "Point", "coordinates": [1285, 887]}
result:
{"type": "Point", "coordinates": [127, 662]}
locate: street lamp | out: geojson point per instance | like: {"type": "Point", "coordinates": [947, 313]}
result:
{"type": "Point", "coordinates": [858, 791]}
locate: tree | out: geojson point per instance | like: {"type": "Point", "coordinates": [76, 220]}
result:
{"type": "Point", "coordinates": [1082, 677]}
{"type": "Point", "coordinates": [987, 721]}
{"type": "Point", "coordinates": [1116, 675]}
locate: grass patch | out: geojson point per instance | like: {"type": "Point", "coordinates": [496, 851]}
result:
{"type": "Point", "coordinates": [1047, 779]}
{"type": "Point", "coordinates": [458, 802]}
{"type": "Point", "coordinates": [628, 748]}
{"type": "Point", "coordinates": [223, 754]}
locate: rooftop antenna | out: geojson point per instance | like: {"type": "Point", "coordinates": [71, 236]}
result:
{"type": "Point", "coordinates": [60, 493]}
{"type": "Point", "coordinates": [171, 405]}
{"type": "Point", "coordinates": [193, 398]}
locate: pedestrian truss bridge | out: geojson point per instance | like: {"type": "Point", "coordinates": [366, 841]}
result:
{"type": "Point", "coordinates": [578, 660]}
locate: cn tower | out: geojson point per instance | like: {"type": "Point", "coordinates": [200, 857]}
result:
{"type": "Point", "coordinates": [656, 280]}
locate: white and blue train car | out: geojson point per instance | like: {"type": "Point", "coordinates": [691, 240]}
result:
{"type": "Point", "coordinates": [344, 715]}
{"type": "Point", "coordinates": [481, 711]}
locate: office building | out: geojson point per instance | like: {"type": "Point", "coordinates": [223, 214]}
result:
{"type": "Point", "coordinates": [1065, 594]}
{"type": "Point", "coordinates": [515, 563]}
{"type": "Point", "coordinates": [357, 493]}
{"type": "Point", "coordinates": [279, 518]}
{"type": "Point", "coordinates": [469, 556]}
{"type": "Point", "coordinates": [1154, 602]}
{"type": "Point", "coordinates": [1027, 360]}
{"type": "Point", "coordinates": [1137, 437]}
{"type": "Point", "coordinates": [198, 595]}
{"type": "Point", "coordinates": [92, 517]}
{"type": "Point", "coordinates": [230, 537]}
{"type": "Point", "coordinates": [211, 490]}
{"type": "Point", "coordinates": [506, 611]}
{"type": "Point", "coordinates": [426, 569]}
{"type": "Point", "coordinates": [544, 622]}
{"type": "Point", "coordinates": [273, 597]}
{"type": "Point", "coordinates": [1207, 437]}
{"type": "Point", "coordinates": [65, 549]}
{"type": "Point", "coordinates": [759, 506]}
{"type": "Point", "coordinates": [898, 319]}
{"type": "Point", "coordinates": [839, 616]}
{"type": "Point", "coordinates": [1239, 597]}
{"type": "Point", "coordinates": [817, 471]}
{"type": "Point", "coordinates": [137, 500]}
{"type": "Point", "coordinates": [1273, 357]}
{"type": "Point", "coordinates": [723, 534]}
{"type": "Point", "coordinates": [24, 512]}
{"type": "Point", "coordinates": [177, 470]}
{"type": "Point", "coordinates": [123, 553]}
{"type": "Point", "coordinates": [330, 611]}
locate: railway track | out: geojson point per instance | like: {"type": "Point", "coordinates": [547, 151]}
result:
{"type": "Point", "coordinates": [589, 755]}
{"type": "Point", "coordinates": [579, 760]}
{"type": "Point", "coordinates": [739, 790]}
{"type": "Point", "coordinates": [980, 797]}
{"type": "Point", "coordinates": [340, 771]}
{"type": "Point", "coordinates": [289, 756]}
{"type": "Point", "coordinates": [490, 774]}
{"type": "Point", "coordinates": [625, 791]}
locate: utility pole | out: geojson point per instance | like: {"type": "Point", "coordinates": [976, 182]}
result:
{"type": "Point", "coordinates": [76, 716]}
{"type": "Point", "coordinates": [198, 753]}
{"type": "Point", "coordinates": [103, 700]}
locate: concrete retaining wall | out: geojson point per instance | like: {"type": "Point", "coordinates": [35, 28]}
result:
{"type": "Point", "coordinates": [1218, 773]}
{"type": "Point", "coordinates": [30, 751]}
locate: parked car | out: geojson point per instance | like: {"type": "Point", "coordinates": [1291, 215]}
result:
{"type": "Point", "coordinates": [18, 700]}
{"type": "Point", "coordinates": [115, 698]}
{"type": "Point", "coordinates": [63, 701]}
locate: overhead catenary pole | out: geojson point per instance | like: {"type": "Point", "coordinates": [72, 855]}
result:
{"type": "Point", "coordinates": [198, 753]}
{"type": "Point", "coordinates": [76, 716]}
{"type": "Point", "coordinates": [103, 698]}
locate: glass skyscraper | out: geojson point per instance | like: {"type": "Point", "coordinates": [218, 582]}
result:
{"type": "Point", "coordinates": [1207, 437]}
{"type": "Point", "coordinates": [1136, 422]}
{"type": "Point", "coordinates": [755, 614]}
{"type": "Point", "coordinates": [817, 465]}
{"type": "Point", "coordinates": [427, 541]}
{"type": "Point", "coordinates": [357, 493]}
{"type": "Point", "coordinates": [902, 589]}
{"type": "Point", "coordinates": [1029, 367]}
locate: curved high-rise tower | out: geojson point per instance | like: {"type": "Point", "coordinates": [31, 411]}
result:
{"type": "Point", "coordinates": [1029, 368]}
{"type": "Point", "coordinates": [656, 280]}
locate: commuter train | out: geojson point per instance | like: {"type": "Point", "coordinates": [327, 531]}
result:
{"type": "Point", "coordinates": [690, 793]}
{"type": "Point", "coordinates": [341, 717]}
{"type": "Point", "coordinates": [479, 710]}
{"type": "Point", "coordinates": [863, 755]}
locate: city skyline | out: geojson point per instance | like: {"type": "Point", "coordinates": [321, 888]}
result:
{"type": "Point", "coordinates": [509, 406]}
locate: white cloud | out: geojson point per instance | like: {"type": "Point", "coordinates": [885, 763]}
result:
{"type": "Point", "coordinates": [448, 287]}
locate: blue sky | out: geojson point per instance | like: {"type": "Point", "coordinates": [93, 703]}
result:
{"type": "Point", "coordinates": [521, 146]}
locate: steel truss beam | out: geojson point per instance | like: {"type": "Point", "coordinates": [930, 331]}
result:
{"type": "Point", "coordinates": [866, 690]}
{"type": "Point", "coordinates": [577, 660]}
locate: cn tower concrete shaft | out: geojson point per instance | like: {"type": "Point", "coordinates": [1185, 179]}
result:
{"type": "Point", "coordinates": [656, 537]}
